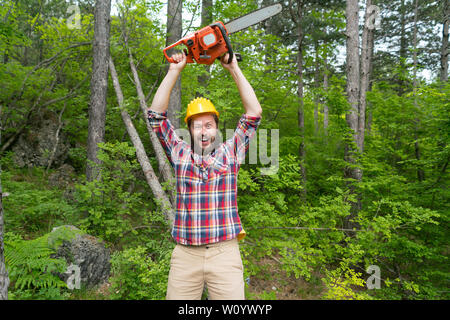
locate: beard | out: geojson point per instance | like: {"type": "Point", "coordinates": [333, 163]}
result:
{"type": "Point", "coordinates": [200, 146]}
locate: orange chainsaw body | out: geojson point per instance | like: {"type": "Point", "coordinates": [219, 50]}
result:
{"type": "Point", "coordinates": [205, 45]}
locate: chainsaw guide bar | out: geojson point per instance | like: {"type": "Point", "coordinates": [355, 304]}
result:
{"type": "Point", "coordinates": [252, 18]}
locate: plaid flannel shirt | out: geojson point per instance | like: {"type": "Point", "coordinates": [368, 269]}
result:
{"type": "Point", "coordinates": [206, 208]}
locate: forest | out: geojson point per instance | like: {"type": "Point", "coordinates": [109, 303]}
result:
{"type": "Point", "coordinates": [344, 194]}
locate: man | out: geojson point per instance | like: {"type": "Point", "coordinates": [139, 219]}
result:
{"type": "Point", "coordinates": [207, 224]}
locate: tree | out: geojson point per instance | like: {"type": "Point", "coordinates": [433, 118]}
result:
{"type": "Point", "coordinates": [297, 18]}
{"type": "Point", "coordinates": [174, 33]}
{"type": "Point", "coordinates": [325, 88]}
{"type": "Point", "coordinates": [164, 167]}
{"type": "Point", "coordinates": [444, 47]}
{"type": "Point", "coordinates": [358, 75]}
{"type": "Point", "coordinates": [393, 60]}
{"type": "Point", "coordinates": [99, 84]}
{"type": "Point", "coordinates": [353, 91]}
{"type": "Point", "coordinates": [207, 18]}
{"type": "Point", "coordinates": [420, 171]}
{"type": "Point", "coordinates": [146, 166]}
{"type": "Point", "coordinates": [366, 62]}
{"type": "Point", "coordinates": [4, 279]}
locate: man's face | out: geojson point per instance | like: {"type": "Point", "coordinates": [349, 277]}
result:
{"type": "Point", "coordinates": [203, 131]}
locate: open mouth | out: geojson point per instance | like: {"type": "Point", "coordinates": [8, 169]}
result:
{"type": "Point", "coordinates": [205, 141]}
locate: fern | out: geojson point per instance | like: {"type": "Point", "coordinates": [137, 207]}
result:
{"type": "Point", "coordinates": [31, 266]}
{"type": "Point", "coordinates": [20, 252]}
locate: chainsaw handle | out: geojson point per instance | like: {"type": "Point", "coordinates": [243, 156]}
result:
{"type": "Point", "coordinates": [170, 59]}
{"type": "Point", "coordinates": [227, 40]}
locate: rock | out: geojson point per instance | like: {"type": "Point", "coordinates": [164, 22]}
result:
{"type": "Point", "coordinates": [85, 255]}
{"type": "Point", "coordinates": [34, 147]}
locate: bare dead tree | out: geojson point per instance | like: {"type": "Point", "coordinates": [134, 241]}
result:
{"type": "Point", "coordinates": [55, 146]}
{"type": "Point", "coordinates": [149, 173]}
{"type": "Point", "coordinates": [164, 167]}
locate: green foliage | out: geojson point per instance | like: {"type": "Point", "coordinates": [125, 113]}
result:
{"type": "Point", "coordinates": [306, 238]}
{"type": "Point", "coordinates": [32, 270]}
{"type": "Point", "coordinates": [344, 283]}
{"type": "Point", "coordinates": [110, 205]}
{"type": "Point", "coordinates": [30, 207]}
{"type": "Point", "coordinates": [77, 157]}
{"type": "Point", "coordinates": [271, 295]}
{"type": "Point", "coordinates": [141, 273]}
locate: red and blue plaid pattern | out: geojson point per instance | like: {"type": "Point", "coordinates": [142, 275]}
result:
{"type": "Point", "coordinates": [206, 208]}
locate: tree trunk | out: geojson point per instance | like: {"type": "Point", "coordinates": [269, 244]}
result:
{"type": "Point", "coordinates": [151, 178]}
{"type": "Point", "coordinates": [352, 89]}
{"type": "Point", "coordinates": [403, 47]}
{"type": "Point", "coordinates": [267, 26]}
{"type": "Point", "coordinates": [58, 130]}
{"type": "Point", "coordinates": [365, 77]}
{"type": "Point", "coordinates": [317, 86]}
{"type": "Point", "coordinates": [207, 18]}
{"type": "Point", "coordinates": [420, 171]}
{"type": "Point", "coordinates": [163, 164]}
{"type": "Point", "coordinates": [4, 279]}
{"type": "Point", "coordinates": [352, 171]}
{"type": "Point", "coordinates": [444, 48]}
{"type": "Point", "coordinates": [369, 109]}
{"type": "Point", "coordinates": [174, 33]}
{"type": "Point", "coordinates": [297, 18]}
{"type": "Point", "coordinates": [325, 88]}
{"type": "Point", "coordinates": [99, 85]}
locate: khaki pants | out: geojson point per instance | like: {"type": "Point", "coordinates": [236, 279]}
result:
{"type": "Point", "coordinates": [217, 265]}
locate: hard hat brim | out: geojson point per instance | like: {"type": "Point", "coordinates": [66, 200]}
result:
{"type": "Point", "coordinates": [197, 114]}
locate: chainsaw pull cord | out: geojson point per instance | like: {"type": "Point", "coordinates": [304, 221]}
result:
{"type": "Point", "coordinates": [227, 40]}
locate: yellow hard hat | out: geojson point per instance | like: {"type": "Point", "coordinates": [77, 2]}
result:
{"type": "Point", "coordinates": [199, 105]}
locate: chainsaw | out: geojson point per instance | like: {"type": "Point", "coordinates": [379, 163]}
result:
{"type": "Point", "coordinates": [207, 44]}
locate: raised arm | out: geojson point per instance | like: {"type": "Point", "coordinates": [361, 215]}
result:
{"type": "Point", "coordinates": [160, 102]}
{"type": "Point", "coordinates": [248, 96]}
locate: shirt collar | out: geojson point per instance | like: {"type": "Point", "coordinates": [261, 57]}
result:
{"type": "Point", "coordinates": [200, 160]}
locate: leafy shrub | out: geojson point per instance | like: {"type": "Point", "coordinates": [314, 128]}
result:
{"type": "Point", "coordinates": [77, 157]}
{"type": "Point", "coordinates": [32, 208]}
{"type": "Point", "coordinates": [344, 283]}
{"type": "Point", "coordinates": [110, 204]}
{"type": "Point", "coordinates": [139, 274]}
{"type": "Point", "coordinates": [401, 237]}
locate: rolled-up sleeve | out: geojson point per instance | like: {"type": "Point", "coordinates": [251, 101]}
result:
{"type": "Point", "coordinates": [165, 131]}
{"type": "Point", "coordinates": [245, 130]}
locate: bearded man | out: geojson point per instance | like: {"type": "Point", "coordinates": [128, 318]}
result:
{"type": "Point", "coordinates": [207, 226]}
